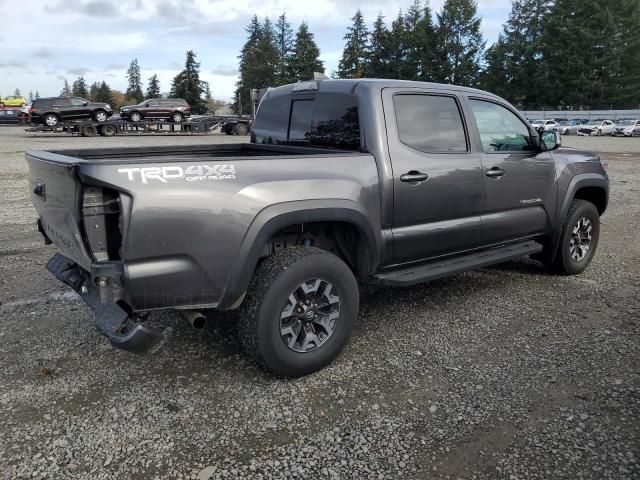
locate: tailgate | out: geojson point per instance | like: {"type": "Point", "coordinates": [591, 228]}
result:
{"type": "Point", "coordinates": [56, 193]}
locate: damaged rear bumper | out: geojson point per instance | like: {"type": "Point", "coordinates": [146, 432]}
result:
{"type": "Point", "coordinates": [111, 319]}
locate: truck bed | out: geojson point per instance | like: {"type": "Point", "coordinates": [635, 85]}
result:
{"type": "Point", "coordinates": [179, 153]}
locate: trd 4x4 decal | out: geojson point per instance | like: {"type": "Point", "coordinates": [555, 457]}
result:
{"type": "Point", "coordinates": [190, 173]}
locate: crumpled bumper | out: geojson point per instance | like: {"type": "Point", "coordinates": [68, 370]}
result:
{"type": "Point", "coordinates": [112, 320]}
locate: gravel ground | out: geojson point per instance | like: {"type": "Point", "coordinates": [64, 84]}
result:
{"type": "Point", "coordinates": [507, 372]}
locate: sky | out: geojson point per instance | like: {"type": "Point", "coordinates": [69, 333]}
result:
{"type": "Point", "coordinates": [44, 42]}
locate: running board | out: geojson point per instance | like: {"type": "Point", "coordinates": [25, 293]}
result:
{"type": "Point", "coordinates": [451, 266]}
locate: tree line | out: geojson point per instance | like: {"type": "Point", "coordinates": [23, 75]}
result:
{"type": "Point", "coordinates": [554, 53]}
{"type": "Point", "coordinates": [273, 55]}
{"type": "Point", "coordinates": [550, 53]}
{"type": "Point", "coordinates": [186, 85]}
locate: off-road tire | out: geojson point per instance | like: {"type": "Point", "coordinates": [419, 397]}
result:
{"type": "Point", "coordinates": [274, 280]}
{"type": "Point", "coordinates": [563, 263]}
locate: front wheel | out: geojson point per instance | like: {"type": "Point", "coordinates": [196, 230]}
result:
{"type": "Point", "coordinates": [177, 117]}
{"type": "Point", "coordinates": [579, 238]}
{"type": "Point", "coordinates": [135, 117]}
{"type": "Point", "coordinates": [299, 311]}
{"type": "Point", "coordinates": [100, 116]}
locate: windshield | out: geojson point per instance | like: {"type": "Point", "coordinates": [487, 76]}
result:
{"type": "Point", "coordinates": [565, 123]}
{"type": "Point", "coordinates": [627, 122]}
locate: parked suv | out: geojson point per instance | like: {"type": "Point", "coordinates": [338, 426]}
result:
{"type": "Point", "coordinates": [51, 111]}
{"type": "Point", "coordinates": [175, 109]}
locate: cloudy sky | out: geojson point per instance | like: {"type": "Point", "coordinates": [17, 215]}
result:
{"type": "Point", "coordinates": [44, 42]}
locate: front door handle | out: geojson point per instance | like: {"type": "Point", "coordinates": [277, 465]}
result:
{"type": "Point", "coordinates": [414, 176]}
{"type": "Point", "coordinates": [494, 172]}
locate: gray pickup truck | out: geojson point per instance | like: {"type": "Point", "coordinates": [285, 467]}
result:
{"type": "Point", "coordinates": [345, 182]}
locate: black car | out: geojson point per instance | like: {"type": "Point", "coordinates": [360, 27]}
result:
{"type": "Point", "coordinates": [51, 111]}
{"type": "Point", "coordinates": [175, 109]}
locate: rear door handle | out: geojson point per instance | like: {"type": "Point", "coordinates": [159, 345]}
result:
{"type": "Point", "coordinates": [414, 176]}
{"type": "Point", "coordinates": [494, 172]}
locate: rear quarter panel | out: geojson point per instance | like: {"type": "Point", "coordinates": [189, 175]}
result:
{"type": "Point", "coordinates": [183, 235]}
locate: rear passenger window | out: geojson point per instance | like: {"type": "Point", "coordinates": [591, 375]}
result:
{"type": "Point", "coordinates": [430, 123]}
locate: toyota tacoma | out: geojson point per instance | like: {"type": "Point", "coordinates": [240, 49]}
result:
{"type": "Point", "coordinates": [344, 183]}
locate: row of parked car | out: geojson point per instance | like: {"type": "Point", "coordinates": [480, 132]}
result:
{"type": "Point", "coordinates": [51, 111]}
{"type": "Point", "coordinates": [627, 127]}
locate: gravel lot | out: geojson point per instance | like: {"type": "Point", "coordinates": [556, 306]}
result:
{"type": "Point", "coordinates": [507, 372]}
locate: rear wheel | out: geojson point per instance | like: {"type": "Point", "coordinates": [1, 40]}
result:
{"type": "Point", "coordinates": [135, 117]}
{"type": "Point", "coordinates": [579, 238]}
{"type": "Point", "coordinates": [88, 131]}
{"type": "Point", "coordinates": [51, 120]}
{"type": "Point", "coordinates": [241, 129]}
{"type": "Point", "coordinates": [299, 311]}
{"type": "Point", "coordinates": [107, 130]}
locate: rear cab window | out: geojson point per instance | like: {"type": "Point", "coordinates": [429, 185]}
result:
{"type": "Point", "coordinates": [323, 119]}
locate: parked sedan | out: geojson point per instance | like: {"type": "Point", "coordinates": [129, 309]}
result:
{"type": "Point", "coordinates": [568, 127]}
{"type": "Point", "coordinates": [627, 128]}
{"type": "Point", "coordinates": [175, 109]}
{"type": "Point", "coordinates": [546, 125]}
{"type": "Point", "coordinates": [13, 101]}
{"type": "Point", "coordinates": [597, 127]}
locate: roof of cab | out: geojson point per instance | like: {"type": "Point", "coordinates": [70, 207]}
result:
{"type": "Point", "coordinates": [349, 86]}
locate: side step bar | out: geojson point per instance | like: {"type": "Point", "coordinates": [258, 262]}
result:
{"type": "Point", "coordinates": [443, 268]}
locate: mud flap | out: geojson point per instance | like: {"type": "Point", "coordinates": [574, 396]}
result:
{"type": "Point", "coordinates": [111, 319]}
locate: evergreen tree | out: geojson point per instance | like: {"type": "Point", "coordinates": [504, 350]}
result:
{"type": "Point", "coordinates": [207, 91]}
{"type": "Point", "coordinates": [37, 94]}
{"type": "Point", "coordinates": [397, 47]}
{"type": "Point", "coordinates": [31, 97]}
{"type": "Point", "coordinates": [103, 93]}
{"type": "Point", "coordinates": [79, 88]}
{"type": "Point", "coordinates": [513, 64]}
{"type": "Point", "coordinates": [412, 41]}
{"type": "Point", "coordinates": [284, 42]}
{"type": "Point", "coordinates": [591, 54]}
{"type": "Point", "coordinates": [134, 88]}
{"type": "Point", "coordinates": [17, 93]}
{"type": "Point", "coordinates": [187, 84]}
{"type": "Point", "coordinates": [93, 91]}
{"type": "Point", "coordinates": [304, 58]}
{"type": "Point", "coordinates": [426, 34]}
{"type": "Point", "coordinates": [459, 43]}
{"type": "Point", "coordinates": [66, 89]}
{"type": "Point", "coordinates": [354, 57]}
{"type": "Point", "coordinates": [258, 63]}
{"type": "Point", "coordinates": [153, 88]}
{"type": "Point", "coordinates": [378, 53]}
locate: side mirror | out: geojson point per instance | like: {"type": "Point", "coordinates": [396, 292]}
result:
{"type": "Point", "coordinates": [550, 140]}
{"type": "Point", "coordinates": [85, 103]}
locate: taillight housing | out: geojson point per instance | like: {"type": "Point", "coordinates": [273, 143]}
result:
{"type": "Point", "coordinates": [101, 213]}
{"type": "Point", "coordinates": [32, 110]}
